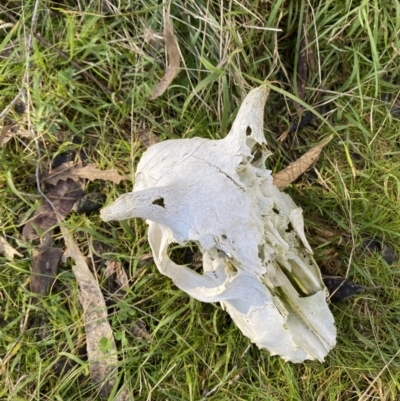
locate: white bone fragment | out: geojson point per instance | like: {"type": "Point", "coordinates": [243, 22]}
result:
{"type": "Point", "coordinates": [256, 259]}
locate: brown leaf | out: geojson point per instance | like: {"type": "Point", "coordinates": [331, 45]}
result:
{"type": "Point", "coordinates": [298, 167]}
{"type": "Point", "coordinates": [102, 362]}
{"type": "Point", "coordinates": [13, 129]}
{"type": "Point", "coordinates": [63, 196]}
{"type": "Point", "coordinates": [341, 288]}
{"type": "Point", "coordinates": [7, 250]}
{"type": "Point", "coordinates": [174, 58]}
{"type": "Point", "coordinates": [61, 173]}
{"type": "Point", "coordinates": [115, 267]}
{"type": "Point", "coordinates": [147, 138]}
{"type": "Point", "coordinates": [139, 330]}
{"type": "Point", "coordinates": [91, 202]}
{"type": "Point", "coordinates": [44, 269]}
{"type": "Point", "coordinates": [91, 173]}
{"type": "Point", "coordinates": [70, 171]}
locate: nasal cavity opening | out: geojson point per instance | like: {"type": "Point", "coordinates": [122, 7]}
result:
{"type": "Point", "coordinates": [248, 131]}
{"type": "Point", "coordinates": [256, 153]}
{"type": "Point", "coordinates": [159, 202]}
{"type": "Point", "coordinates": [289, 228]}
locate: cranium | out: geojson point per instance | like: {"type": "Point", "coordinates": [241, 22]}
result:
{"type": "Point", "coordinates": [256, 259]}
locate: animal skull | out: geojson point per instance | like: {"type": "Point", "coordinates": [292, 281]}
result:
{"type": "Point", "coordinates": [256, 259]}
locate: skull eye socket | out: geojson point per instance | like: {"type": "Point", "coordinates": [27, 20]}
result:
{"type": "Point", "coordinates": [188, 255]}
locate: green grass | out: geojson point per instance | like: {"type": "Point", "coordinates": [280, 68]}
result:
{"type": "Point", "coordinates": [225, 52]}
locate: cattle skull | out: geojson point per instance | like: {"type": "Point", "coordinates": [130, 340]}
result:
{"type": "Point", "coordinates": [256, 259]}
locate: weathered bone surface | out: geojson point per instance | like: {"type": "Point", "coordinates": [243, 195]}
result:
{"type": "Point", "coordinates": [256, 259]}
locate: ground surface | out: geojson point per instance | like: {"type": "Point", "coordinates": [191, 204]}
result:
{"type": "Point", "coordinates": [341, 58]}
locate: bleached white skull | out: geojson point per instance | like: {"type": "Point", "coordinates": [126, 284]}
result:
{"type": "Point", "coordinates": [257, 262]}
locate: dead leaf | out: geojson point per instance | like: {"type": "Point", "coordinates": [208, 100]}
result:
{"type": "Point", "coordinates": [63, 196]}
{"type": "Point", "coordinates": [91, 173]}
{"type": "Point", "coordinates": [102, 362]}
{"type": "Point", "coordinates": [375, 244]}
{"type": "Point", "coordinates": [139, 330]}
{"type": "Point", "coordinates": [44, 269]}
{"type": "Point", "coordinates": [174, 58]}
{"type": "Point", "coordinates": [89, 203]}
{"type": "Point", "coordinates": [61, 173]}
{"type": "Point", "coordinates": [13, 129]}
{"type": "Point", "coordinates": [115, 267]}
{"type": "Point", "coordinates": [341, 288]}
{"type": "Point", "coordinates": [146, 138]}
{"type": "Point", "coordinates": [70, 171]}
{"type": "Point", "coordinates": [306, 119]}
{"type": "Point", "coordinates": [298, 167]}
{"type": "Point", "coordinates": [7, 250]}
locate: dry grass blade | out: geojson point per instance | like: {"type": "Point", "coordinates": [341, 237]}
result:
{"type": "Point", "coordinates": [7, 250]}
{"type": "Point", "coordinates": [298, 167]}
{"type": "Point", "coordinates": [102, 362]}
{"type": "Point", "coordinates": [174, 58]}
